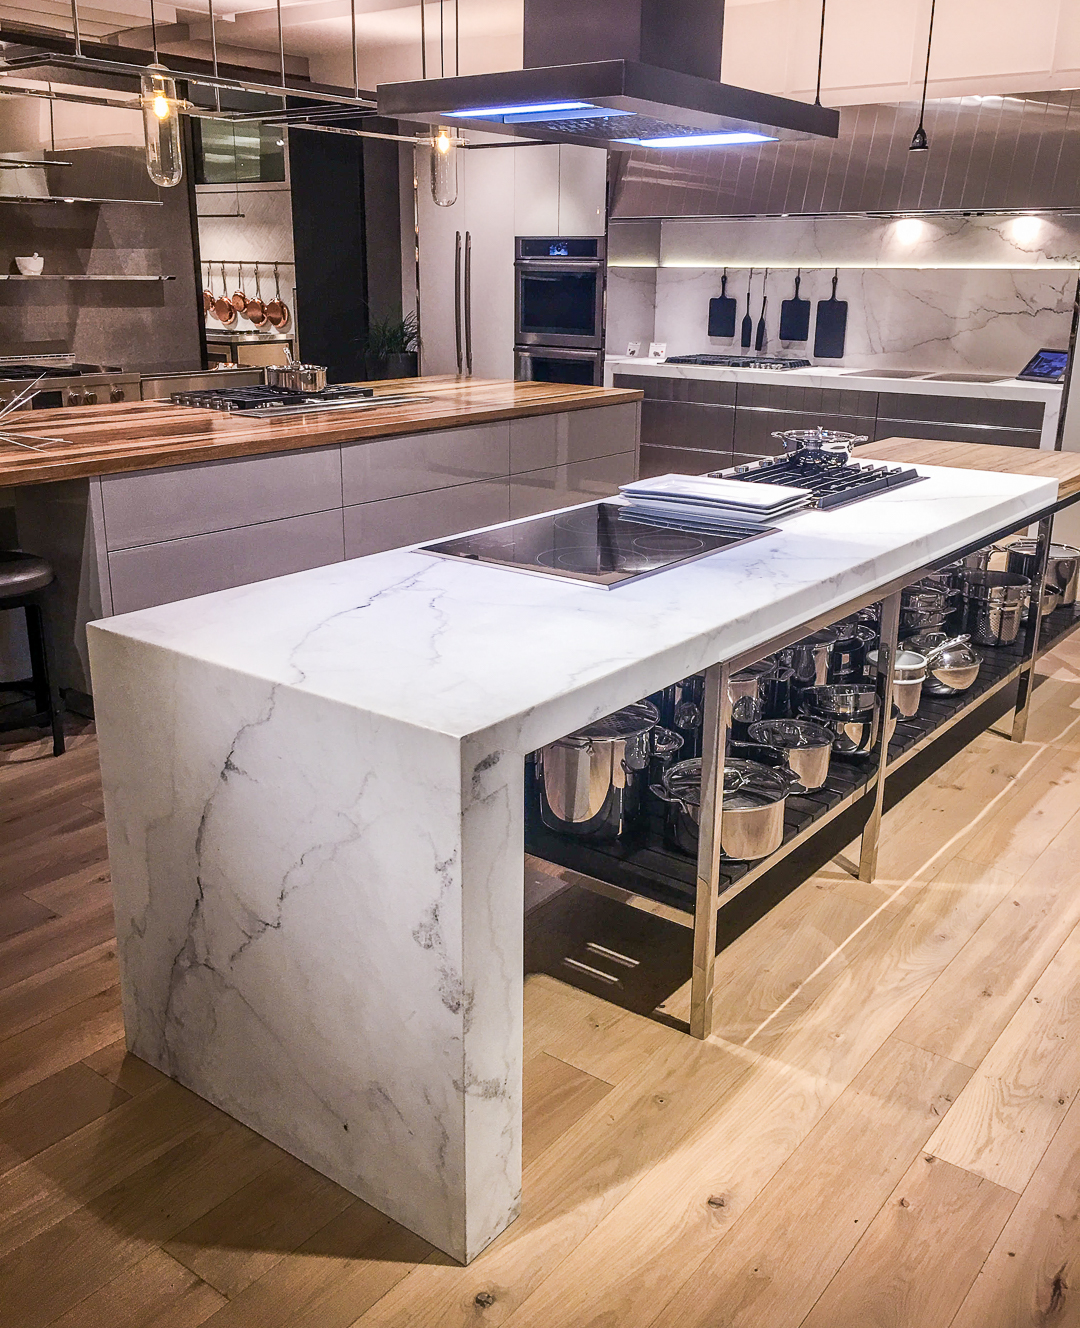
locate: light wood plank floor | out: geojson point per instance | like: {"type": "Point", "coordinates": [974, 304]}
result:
{"type": "Point", "coordinates": [885, 1129]}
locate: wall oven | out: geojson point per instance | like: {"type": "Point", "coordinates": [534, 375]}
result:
{"type": "Point", "coordinates": [559, 292]}
{"type": "Point", "coordinates": [559, 364]}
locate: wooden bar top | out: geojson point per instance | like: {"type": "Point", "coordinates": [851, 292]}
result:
{"type": "Point", "coordinates": [143, 435]}
{"type": "Point", "coordinates": [1061, 466]}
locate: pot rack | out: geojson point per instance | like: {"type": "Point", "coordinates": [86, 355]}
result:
{"type": "Point", "coordinates": [339, 103]}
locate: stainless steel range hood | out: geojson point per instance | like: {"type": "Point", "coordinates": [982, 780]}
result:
{"type": "Point", "coordinates": [616, 74]}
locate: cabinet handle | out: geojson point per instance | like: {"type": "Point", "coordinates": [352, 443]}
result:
{"type": "Point", "coordinates": [457, 298]}
{"type": "Point", "coordinates": [468, 303]}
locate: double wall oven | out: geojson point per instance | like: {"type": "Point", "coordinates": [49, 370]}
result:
{"type": "Point", "coordinates": [559, 309]}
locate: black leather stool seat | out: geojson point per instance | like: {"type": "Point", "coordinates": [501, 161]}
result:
{"type": "Point", "coordinates": [22, 574]}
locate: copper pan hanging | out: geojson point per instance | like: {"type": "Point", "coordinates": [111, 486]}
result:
{"type": "Point", "coordinates": [255, 310]}
{"type": "Point", "coordinates": [208, 294]}
{"type": "Point", "coordinates": [223, 309]}
{"type": "Point", "coordinates": [277, 311]}
{"type": "Point", "coordinates": [239, 299]}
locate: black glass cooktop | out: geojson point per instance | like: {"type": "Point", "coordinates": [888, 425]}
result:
{"type": "Point", "coordinates": [600, 544]}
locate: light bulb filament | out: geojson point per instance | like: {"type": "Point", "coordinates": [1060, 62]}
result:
{"type": "Point", "coordinates": [161, 107]}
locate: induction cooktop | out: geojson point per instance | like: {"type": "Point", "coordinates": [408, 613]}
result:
{"type": "Point", "coordinates": [602, 544]}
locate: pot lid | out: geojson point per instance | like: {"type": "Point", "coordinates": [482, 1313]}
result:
{"type": "Point", "coordinates": [628, 722]}
{"type": "Point", "coordinates": [791, 733]}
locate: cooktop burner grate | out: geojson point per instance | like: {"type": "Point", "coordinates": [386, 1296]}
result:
{"type": "Point", "coordinates": [832, 484]}
{"type": "Point", "coordinates": [739, 361]}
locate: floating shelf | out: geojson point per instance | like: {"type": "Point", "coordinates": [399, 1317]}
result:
{"type": "Point", "coordinates": [77, 276]}
{"type": "Point", "coordinates": [646, 868]}
{"type": "Point", "coordinates": [49, 198]}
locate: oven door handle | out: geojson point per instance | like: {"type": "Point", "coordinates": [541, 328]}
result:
{"type": "Point", "coordinates": [457, 298]}
{"type": "Point", "coordinates": [468, 303]}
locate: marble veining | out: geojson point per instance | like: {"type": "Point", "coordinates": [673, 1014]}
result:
{"type": "Point", "coordinates": [314, 791]}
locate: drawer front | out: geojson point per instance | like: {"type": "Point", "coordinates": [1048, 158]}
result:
{"type": "Point", "coordinates": [575, 435]}
{"type": "Point", "coordinates": [680, 461]}
{"type": "Point", "coordinates": [417, 463]}
{"type": "Point", "coordinates": [562, 486]}
{"type": "Point", "coordinates": [807, 400]}
{"type": "Point", "coordinates": [155, 505]}
{"type": "Point", "coordinates": [960, 410]}
{"type": "Point", "coordinates": [395, 522]}
{"type": "Point", "coordinates": [754, 427]}
{"type": "Point", "coordinates": [703, 391]}
{"type": "Point", "coordinates": [687, 424]}
{"type": "Point", "coordinates": [199, 564]}
{"type": "Point", "coordinates": [956, 433]}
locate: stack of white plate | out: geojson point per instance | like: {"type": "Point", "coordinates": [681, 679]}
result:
{"type": "Point", "coordinates": [704, 498]}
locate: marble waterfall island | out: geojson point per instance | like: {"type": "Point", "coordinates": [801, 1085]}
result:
{"type": "Point", "coordinates": [314, 790]}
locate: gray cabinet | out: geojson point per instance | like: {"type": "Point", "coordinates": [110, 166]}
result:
{"type": "Point", "coordinates": [959, 419]}
{"type": "Point", "coordinates": [179, 569]}
{"type": "Point", "coordinates": [562, 486]}
{"type": "Point", "coordinates": [687, 425]}
{"type": "Point", "coordinates": [394, 522]}
{"type": "Point", "coordinates": [580, 435]}
{"type": "Point", "coordinates": [149, 506]}
{"type": "Point", "coordinates": [416, 463]}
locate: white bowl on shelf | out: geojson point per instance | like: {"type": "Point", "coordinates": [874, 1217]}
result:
{"type": "Point", "coordinates": [32, 266]}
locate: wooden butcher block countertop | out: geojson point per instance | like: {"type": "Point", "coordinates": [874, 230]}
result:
{"type": "Point", "coordinates": [143, 435]}
{"type": "Point", "coordinates": [1061, 466]}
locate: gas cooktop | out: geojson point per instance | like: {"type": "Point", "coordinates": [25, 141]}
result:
{"type": "Point", "coordinates": [739, 361]}
{"type": "Point", "coordinates": [277, 402]}
{"type": "Point", "coordinates": [832, 483]}
{"type": "Point", "coordinates": [600, 544]}
{"type": "Point", "coordinates": [24, 370]}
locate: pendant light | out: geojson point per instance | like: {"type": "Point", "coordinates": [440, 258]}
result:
{"type": "Point", "coordinates": [919, 140]}
{"type": "Point", "coordinates": [161, 120]}
{"type": "Point", "coordinates": [444, 168]}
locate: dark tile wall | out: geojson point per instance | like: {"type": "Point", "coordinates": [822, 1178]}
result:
{"type": "Point", "coordinates": [142, 327]}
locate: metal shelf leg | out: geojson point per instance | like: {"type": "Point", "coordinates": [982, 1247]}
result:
{"type": "Point", "coordinates": [707, 900]}
{"type": "Point", "coordinates": [1026, 683]}
{"type": "Point", "coordinates": [871, 835]}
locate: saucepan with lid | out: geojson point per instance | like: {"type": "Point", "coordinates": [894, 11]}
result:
{"type": "Point", "coordinates": [806, 744]}
{"type": "Point", "coordinates": [850, 711]}
{"type": "Point", "coordinates": [752, 819]}
{"type": "Point", "coordinates": [952, 665]}
{"type": "Point", "coordinates": [590, 782]}
{"type": "Point", "coordinates": [909, 674]}
{"type": "Point", "coordinates": [827, 444]}
{"type": "Point", "coordinates": [1062, 571]}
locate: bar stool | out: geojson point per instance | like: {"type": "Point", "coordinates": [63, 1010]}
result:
{"type": "Point", "coordinates": [23, 577]}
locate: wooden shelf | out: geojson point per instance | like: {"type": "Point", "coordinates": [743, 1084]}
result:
{"type": "Point", "coordinates": [645, 867]}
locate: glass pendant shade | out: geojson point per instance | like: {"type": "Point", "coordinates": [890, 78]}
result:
{"type": "Point", "coordinates": [444, 168]}
{"type": "Point", "coordinates": [161, 126]}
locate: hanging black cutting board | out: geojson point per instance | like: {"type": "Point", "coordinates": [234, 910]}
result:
{"type": "Point", "coordinates": [747, 330]}
{"type": "Point", "coordinates": [722, 311]}
{"type": "Point", "coordinates": [795, 315]}
{"type": "Point", "coordinates": [830, 332]}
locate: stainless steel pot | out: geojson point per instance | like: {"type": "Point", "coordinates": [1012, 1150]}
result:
{"type": "Point", "coordinates": [994, 606]}
{"type": "Point", "coordinates": [747, 691]}
{"type": "Point", "coordinates": [848, 659]}
{"type": "Point", "coordinates": [909, 674]}
{"type": "Point", "coordinates": [851, 712]}
{"type": "Point", "coordinates": [809, 658]}
{"type": "Point", "coordinates": [952, 665]}
{"type": "Point", "coordinates": [752, 819]}
{"type": "Point", "coordinates": [830, 443]}
{"type": "Point", "coordinates": [590, 781]}
{"type": "Point", "coordinates": [296, 377]}
{"type": "Point", "coordinates": [806, 744]}
{"type": "Point", "coordinates": [1062, 571]}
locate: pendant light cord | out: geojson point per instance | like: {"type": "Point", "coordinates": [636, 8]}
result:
{"type": "Point", "coordinates": [926, 72]}
{"type": "Point", "coordinates": [820, 55]}
{"type": "Point", "coordinates": [423, 39]}
{"type": "Point", "coordinates": [153, 31]}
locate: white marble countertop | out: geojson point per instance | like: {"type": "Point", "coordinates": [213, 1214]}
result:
{"type": "Point", "coordinates": [821, 375]}
{"type": "Point", "coordinates": [468, 649]}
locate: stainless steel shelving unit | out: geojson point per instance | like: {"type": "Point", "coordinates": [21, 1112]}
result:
{"type": "Point", "coordinates": [644, 873]}
{"type": "Point", "coordinates": [75, 276]}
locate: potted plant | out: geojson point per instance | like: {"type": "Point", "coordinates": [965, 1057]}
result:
{"type": "Point", "coordinates": [390, 347]}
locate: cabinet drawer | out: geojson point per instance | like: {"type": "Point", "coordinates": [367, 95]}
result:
{"type": "Point", "coordinates": [575, 435]}
{"type": "Point", "coordinates": [960, 410]}
{"type": "Point", "coordinates": [155, 505]}
{"type": "Point", "coordinates": [562, 486]}
{"type": "Point", "coordinates": [687, 424]}
{"type": "Point", "coordinates": [417, 463]}
{"type": "Point", "coordinates": [680, 461]}
{"type": "Point", "coordinates": [395, 522]}
{"type": "Point", "coordinates": [179, 569]}
{"type": "Point", "coordinates": [956, 433]}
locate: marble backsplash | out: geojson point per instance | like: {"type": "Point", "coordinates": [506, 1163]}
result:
{"type": "Point", "coordinates": [985, 319]}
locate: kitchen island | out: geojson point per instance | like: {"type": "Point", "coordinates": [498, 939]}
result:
{"type": "Point", "coordinates": [315, 793]}
{"type": "Point", "coordinates": [149, 502]}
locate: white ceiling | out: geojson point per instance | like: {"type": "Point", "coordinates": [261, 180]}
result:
{"type": "Point", "coordinates": [874, 49]}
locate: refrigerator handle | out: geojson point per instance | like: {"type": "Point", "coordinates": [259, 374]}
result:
{"type": "Point", "coordinates": [457, 298]}
{"type": "Point", "coordinates": [468, 303]}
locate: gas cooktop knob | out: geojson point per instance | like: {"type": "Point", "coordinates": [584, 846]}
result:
{"type": "Point", "coordinates": [116, 394]}
{"type": "Point", "coordinates": [89, 398]}
{"type": "Point", "coordinates": [74, 398]}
